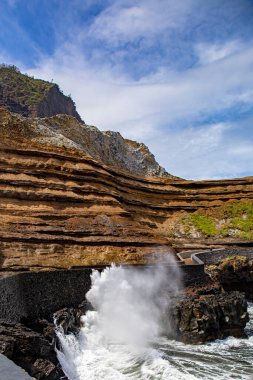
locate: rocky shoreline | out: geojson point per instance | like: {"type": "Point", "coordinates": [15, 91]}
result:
{"type": "Point", "coordinates": [203, 313]}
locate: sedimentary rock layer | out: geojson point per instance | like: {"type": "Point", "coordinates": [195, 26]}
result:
{"type": "Point", "coordinates": [61, 208]}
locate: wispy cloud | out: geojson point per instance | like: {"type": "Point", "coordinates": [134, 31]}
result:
{"type": "Point", "coordinates": [171, 74]}
{"type": "Point", "coordinates": [126, 21]}
{"type": "Point", "coordinates": [110, 99]}
{"type": "Point", "coordinates": [152, 109]}
{"type": "Point", "coordinates": [209, 53]}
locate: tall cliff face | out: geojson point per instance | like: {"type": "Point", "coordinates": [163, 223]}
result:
{"type": "Point", "coordinates": [61, 206]}
{"type": "Point", "coordinates": [32, 97]}
{"type": "Point", "coordinates": [55, 103]}
{"type": "Point", "coordinates": [109, 148]}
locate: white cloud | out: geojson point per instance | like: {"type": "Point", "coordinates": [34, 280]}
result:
{"type": "Point", "coordinates": [151, 108]}
{"type": "Point", "coordinates": [128, 20]}
{"type": "Point", "coordinates": [211, 52]}
{"type": "Point", "coordinates": [138, 109]}
{"type": "Point", "coordinates": [204, 152]}
{"type": "Point", "coordinates": [112, 101]}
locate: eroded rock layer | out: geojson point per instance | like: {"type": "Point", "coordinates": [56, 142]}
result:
{"type": "Point", "coordinates": [61, 208]}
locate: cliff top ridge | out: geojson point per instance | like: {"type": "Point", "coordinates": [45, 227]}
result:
{"type": "Point", "coordinates": [23, 94]}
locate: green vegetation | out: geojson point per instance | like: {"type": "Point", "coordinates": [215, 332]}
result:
{"type": "Point", "coordinates": [237, 258]}
{"type": "Point", "coordinates": [20, 88]}
{"type": "Point", "coordinates": [240, 217]}
{"type": "Point", "coordinates": [203, 224]}
{"type": "Point", "coordinates": [234, 220]}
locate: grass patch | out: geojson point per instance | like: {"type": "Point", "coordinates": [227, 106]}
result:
{"type": "Point", "coordinates": [203, 224]}
{"type": "Point", "coordinates": [20, 88]}
{"type": "Point", "coordinates": [233, 220]}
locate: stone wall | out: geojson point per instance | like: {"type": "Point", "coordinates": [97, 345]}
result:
{"type": "Point", "coordinates": [213, 256]}
{"type": "Point", "coordinates": [33, 294]}
{"type": "Point", "coordinates": [193, 274]}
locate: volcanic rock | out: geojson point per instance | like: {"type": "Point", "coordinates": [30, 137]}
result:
{"type": "Point", "coordinates": [206, 317]}
{"type": "Point", "coordinates": [30, 350]}
{"type": "Point", "coordinates": [71, 195]}
{"type": "Point", "coordinates": [234, 273]}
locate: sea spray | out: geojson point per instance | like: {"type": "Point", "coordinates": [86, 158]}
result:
{"type": "Point", "coordinates": [100, 354]}
{"type": "Point", "coordinates": [131, 310]}
{"type": "Point", "coordinates": [132, 305]}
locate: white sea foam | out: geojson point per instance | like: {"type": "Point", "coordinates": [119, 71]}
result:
{"type": "Point", "coordinates": [122, 338]}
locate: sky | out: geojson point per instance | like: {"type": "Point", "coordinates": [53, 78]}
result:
{"type": "Point", "coordinates": [176, 75]}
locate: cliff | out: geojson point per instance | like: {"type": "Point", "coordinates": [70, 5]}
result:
{"type": "Point", "coordinates": [64, 204]}
{"type": "Point", "coordinates": [32, 97]}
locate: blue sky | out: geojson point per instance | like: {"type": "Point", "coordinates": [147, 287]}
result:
{"type": "Point", "coordinates": [176, 75]}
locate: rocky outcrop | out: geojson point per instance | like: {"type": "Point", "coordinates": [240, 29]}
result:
{"type": "Point", "coordinates": [31, 344]}
{"type": "Point", "coordinates": [32, 97]}
{"type": "Point", "coordinates": [33, 351]}
{"type": "Point", "coordinates": [54, 103]}
{"type": "Point", "coordinates": [205, 316]}
{"type": "Point", "coordinates": [69, 319]}
{"type": "Point", "coordinates": [60, 207]}
{"type": "Point", "coordinates": [202, 314]}
{"type": "Point", "coordinates": [234, 272]}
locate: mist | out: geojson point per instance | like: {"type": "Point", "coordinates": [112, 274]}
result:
{"type": "Point", "coordinates": [131, 313]}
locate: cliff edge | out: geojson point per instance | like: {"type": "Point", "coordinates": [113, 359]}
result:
{"type": "Point", "coordinates": [71, 195]}
{"type": "Point", "coordinates": [32, 97]}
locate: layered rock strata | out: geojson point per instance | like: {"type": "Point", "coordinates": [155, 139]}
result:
{"type": "Point", "coordinates": [61, 208]}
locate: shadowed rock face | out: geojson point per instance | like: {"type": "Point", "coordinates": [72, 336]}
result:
{"type": "Point", "coordinates": [32, 350]}
{"type": "Point", "coordinates": [32, 97]}
{"type": "Point", "coordinates": [54, 103]}
{"type": "Point", "coordinates": [206, 317]}
{"type": "Point", "coordinates": [64, 203]}
{"type": "Point", "coordinates": [234, 272]}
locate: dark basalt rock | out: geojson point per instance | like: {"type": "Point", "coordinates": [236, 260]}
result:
{"type": "Point", "coordinates": [31, 344]}
{"type": "Point", "coordinates": [31, 350]}
{"type": "Point", "coordinates": [202, 314]}
{"type": "Point", "coordinates": [201, 318]}
{"type": "Point", "coordinates": [233, 273]}
{"type": "Point", "coordinates": [69, 319]}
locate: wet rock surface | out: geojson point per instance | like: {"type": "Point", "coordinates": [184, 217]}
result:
{"type": "Point", "coordinates": [201, 317]}
{"type": "Point", "coordinates": [203, 314]}
{"type": "Point", "coordinates": [69, 319]}
{"type": "Point", "coordinates": [31, 350]}
{"type": "Point", "coordinates": [31, 344]}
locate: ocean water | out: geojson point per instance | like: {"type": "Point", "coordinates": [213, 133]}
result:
{"type": "Point", "coordinates": [123, 337]}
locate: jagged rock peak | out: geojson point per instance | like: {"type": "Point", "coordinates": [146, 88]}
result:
{"type": "Point", "coordinates": [28, 96]}
{"type": "Point", "coordinates": [35, 98]}
{"type": "Point", "coordinates": [109, 148]}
